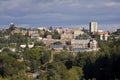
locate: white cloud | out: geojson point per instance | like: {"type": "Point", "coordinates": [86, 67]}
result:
{"type": "Point", "coordinates": [112, 4]}
{"type": "Point", "coordinates": [7, 17]}
{"type": "Point", "coordinates": [59, 10]}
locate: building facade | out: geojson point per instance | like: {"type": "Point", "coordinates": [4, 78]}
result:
{"type": "Point", "coordinates": [79, 43]}
{"type": "Point", "coordinates": [93, 27]}
{"type": "Point", "coordinates": [67, 36]}
{"type": "Point", "coordinates": [78, 32]}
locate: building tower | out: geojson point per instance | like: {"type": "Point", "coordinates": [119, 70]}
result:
{"type": "Point", "coordinates": [93, 27]}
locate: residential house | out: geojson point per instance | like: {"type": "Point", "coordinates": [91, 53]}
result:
{"type": "Point", "coordinates": [40, 28]}
{"type": "Point", "coordinates": [24, 32]}
{"type": "Point", "coordinates": [35, 36]}
{"type": "Point", "coordinates": [93, 44]}
{"type": "Point", "coordinates": [42, 33]}
{"type": "Point", "coordinates": [103, 35]}
{"type": "Point", "coordinates": [49, 36]}
{"type": "Point", "coordinates": [17, 30]}
{"type": "Point", "coordinates": [67, 36]}
{"type": "Point", "coordinates": [59, 30]}
{"type": "Point", "coordinates": [77, 33]}
{"type": "Point", "coordinates": [47, 41]}
{"type": "Point", "coordinates": [69, 31]}
{"type": "Point", "coordinates": [31, 32]}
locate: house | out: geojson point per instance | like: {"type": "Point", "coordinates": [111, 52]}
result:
{"type": "Point", "coordinates": [31, 45]}
{"type": "Point", "coordinates": [49, 36]}
{"type": "Point", "coordinates": [47, 42]}
{"type": "Point", "coordinates": [77, 33]}
{"type": "Point", "coordinates": [40, 28]}
{"type": "Point", "coordinates": [59, 30]}
{"type": "Point", "coordinates": [17, 30]}
{"type": "Point", "coordinates": [31, 32]}
{"type": "Point", "coordinates": [93, 44]}
{"type": "Point", "coordinates": [6, 36]}
{"type": "Point", "coordinates": [103, 35]}
{"type": "Point", "coordinates": [67, 36]}
{"type": "Point", "coordinates": [23, 45]}
{"type": "Point", "coordinates": [42, 33]}
{"type": "Point", "coordinates": [35, 36]}
{"type": "Point", "coordinates": [68, 31]}
{"type": "Point", "coordinates": [24, 32]}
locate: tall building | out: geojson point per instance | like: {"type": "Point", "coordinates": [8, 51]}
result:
{"type": "Point", "coordinates": [93, 27]}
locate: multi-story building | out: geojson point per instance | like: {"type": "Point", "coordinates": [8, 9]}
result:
{"type": "Point", "coordinates": [79, 43]}
{"type": "Point", "coordinates": [93, 44]}
{"type": "Point", "coordinates": [59, 30]}
{"type": "Point", "coordinates": [84, 45]}
{"type": "Point", "coordinates": [103, 35]}
{"type": "Point", "coordinates": [67, 36]}
{"type": "Point", "coordinates": [35, 36]}
{"type": "Point", "coordinates": [93, 27]}
{"type": "Point", "coordinates": [31, 32]}
{"type": "Point", "coordinates": [78, 32]}
{"type": "Point", "coordinates": [68, 31]}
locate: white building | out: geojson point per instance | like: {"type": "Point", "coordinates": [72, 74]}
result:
{"type": "Point", "coordinates": [78, 32]}
{"type": "Point", "coordinates": [106, 36]}
{"type": "Point", "coordinates": [59, 30]}
{"type": "Point", "coordinates": [93, 26]}
{"type": "Point", "coordinates": [101, 37]}
{"type": "Point", "coordinates": [93, 44]}
{"type": "Point", "coordinates": [79, 43]}
{"type": "Point", "coordinates": [67, 36]}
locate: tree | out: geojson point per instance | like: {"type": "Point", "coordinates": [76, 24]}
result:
{"type": "Point", "coordinates": [74, 73]}
{"type": "Point", "coordinates": [39, 43]}
{"type": "Point", "coordinates": [89, 70]}
{"type": "Point", "coordinates": [56, 35]}
{"type": "Point", "coordinates": [69, 64]}
{"type": "Point", "coordinates": [32, 58]}
{"type": "Point", "coordinates": [12, 27]}
{"type": "Point", "coordinates": [46, 33]}
{"type": "Point", "coordinates": [56, 71]}
{"type": "Point", "coordinates": [57, 43]}
{"type": "Point", "coordinates": [10, 67]}
{"type": "Point", "coordinates": [45, 57]}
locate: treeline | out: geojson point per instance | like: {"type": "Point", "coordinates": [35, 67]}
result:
{"type": "Point", "coordinates": [51, 65]}
{"type": "Point", "coordinates": [106, 66]}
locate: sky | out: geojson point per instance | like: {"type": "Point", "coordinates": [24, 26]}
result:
{"type": "Point", "coordinates": [59, 12]}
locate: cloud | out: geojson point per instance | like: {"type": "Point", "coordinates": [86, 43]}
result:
{"type": "Point", "coordinates": [112, 4]}
{"type": "Point", "coordinates": [64, 12]}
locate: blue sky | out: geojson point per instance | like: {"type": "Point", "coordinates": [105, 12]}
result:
{"type": "Point", "coordinates": [59, 12]}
